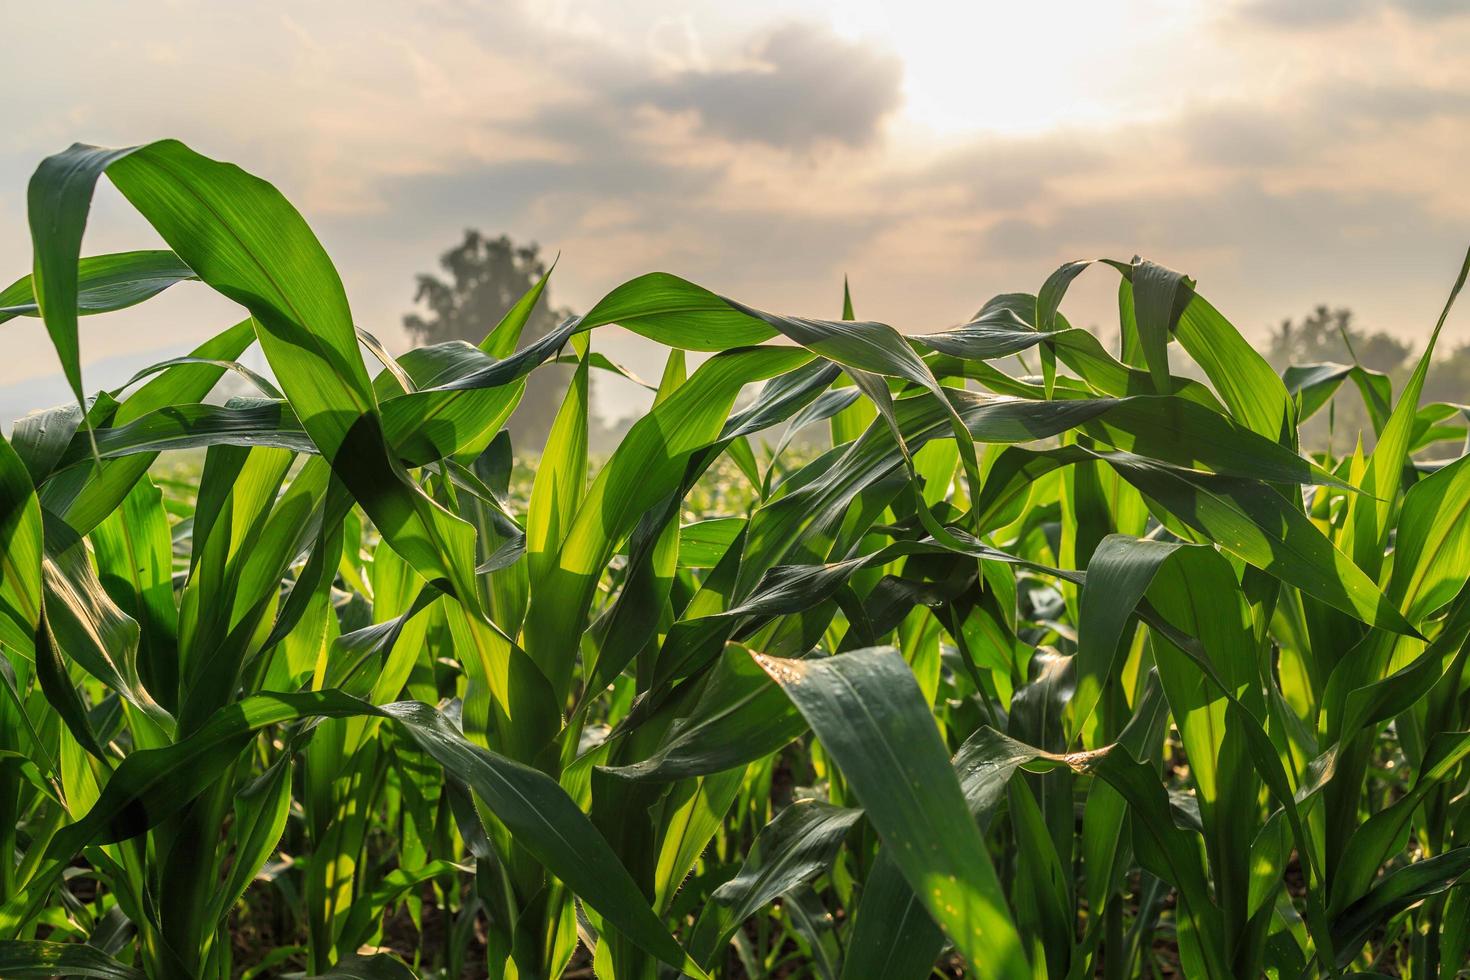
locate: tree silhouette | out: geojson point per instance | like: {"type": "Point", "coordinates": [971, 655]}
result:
{"type": "Point", "coordinates": [483, 278]}
{"type": "Point", "coordinates": [1333, 334]}
{"type": "Point", "coordinates": [1328, 334]}
{"type": "Point", "coordinates": [1449, 377]}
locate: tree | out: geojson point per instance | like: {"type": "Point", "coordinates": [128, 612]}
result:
{"type": "Point", "coordinates": [1331, 335]}
{"type": "Point", "coordinates": [1328, 334]}
{"type": "Point", "coordinates": [485, 277]}
{"type": "Point", "coordinates": [1449, 378]}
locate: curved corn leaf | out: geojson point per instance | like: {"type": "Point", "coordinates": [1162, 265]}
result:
{"type": "Point", "coordinates": [20, 553]}
{"type": "Point", "coordinates": [1395, 892]}
{"type": "Point", "coordinates": [790, 851]}
{"type": "Point", "coordinates": [866, 708]}
{"type": "Point", "coordinates": [243, 239]}
{"type": "Point", "coordinates": [38, 958]}
{"type": "Point", "coordinates": [105, 283]}
{"type": "Point", "coordinates": [378, 966]}
{"type": "Point", "coordinates": [143, 791]}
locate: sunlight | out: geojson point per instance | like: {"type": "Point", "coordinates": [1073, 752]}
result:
{"type": "Point", "coordinates": [1005, 67]}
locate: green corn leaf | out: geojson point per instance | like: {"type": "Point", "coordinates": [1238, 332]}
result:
{"type": "Point", "coordinates": [244, 240]}
{"type": "Point", "coordinates": [1397, 891]}
{"type": "Point", "coordinates": [1167, 851]}
{"type": "Point", "coordinates": [1172, 430]}
{"type": "Point", "coordinates": [38, 958]}
{"type": "Point", "coordinates": [1040, 892]}
{"type": "Point", "coordinates": [58, 199]}
{"type": "Point", "coordinates": [796, 847]}
{"type": "Point", "coordinates": [648, 464]}
{"type": "Point", "coordinates": [260, 813]}
{"type": "Point", "coordinates": [893, 937]}
{"type": "Point", "coordinates": [1315, 384]}
{"type": "Point", "coordinates": [133, 552]}
{"type": "Point", "coordinates": [502, 340]}
{"type": "Point", "coordinates": [893, 934]}
{"type": "Point", "coordinates": [261, 384]}
{"type": "Point", "coordinates": [866, 708]}
{"type": "Point", "coordinates": [1159, 298]}
{"type": "Point", "coordinates": [1118, 576]}
{"type": "Point", "coordinates": [41, 438]}
{"type": "Point", "coordinates": [1384, 832]}
{"type": "Point", "coordinates": [703, 543]}
{"type": "Point", "coordinates": [86, 505]}
{"type": "Point", "coordinates": [1432, 542]}
{"type": "Point", "coordinates": [690, 826]}
{"type": "Point", "coordinates": [105, 283]}
{"type": "Point", "coordinates": [1368, 520]}
{"type": "Point", "coordinates": [1254, 394]}
{"type": "Point", "coordinates": [88, 626]}
{"type": "Point", "coordinates": [1258, 525]}
{"type": "Point", "coordinates": [430, 422]}
{"type": "Point", "coordinates": [243, 422]}
{"type": "Point", "coordinates": [361, 919]}
{"type": "Point", "coordinates": [377, 966]}
{"type": "Point", "coordinates": [56, 685]}
{"type": "Point", "coordinates": [20, 553]}
{"type": "Point", "coordinates": [145, 789]}
{"type": "Point", "coordinates": [741, 716]}
{"type": "Point", "coordinates": [561, 479]}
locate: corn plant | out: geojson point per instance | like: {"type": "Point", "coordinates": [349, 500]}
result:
{"type": "Point", "coordinates": [1088, 671]}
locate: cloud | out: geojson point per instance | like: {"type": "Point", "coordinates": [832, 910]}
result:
{"type": "Point", "coordinates": [1242, 215]}
{"type": "Point", "coordinates": [1259, 252]}
{"type": "Point", "coordinates": [557, 190]}
{"type": "Point", "coordinates": [1325, 13]}
{"type": "Point", "coordinates": [1244, 136]}
{"type": "Point", "coordinates": [1380, 104]}
{"type": "Point", "coordinates": [1336, 133]}
{"type": "Point", "coordinates": [803, 86]}
{"type": "Point", "coordinates": [766, 158]}
{"type": "Point", "coordinates": [1002, 172]}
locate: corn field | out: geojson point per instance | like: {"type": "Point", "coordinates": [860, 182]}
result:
{"type": "Point", "coordinates": [1093, 671]}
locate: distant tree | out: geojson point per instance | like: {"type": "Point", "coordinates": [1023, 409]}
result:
{"type": "Point", "coordinates": [484, 278]}
{"type": "Point", "coordinates": [1331, 335]}
{"type": "Point", "coordinates": [1449, 378]}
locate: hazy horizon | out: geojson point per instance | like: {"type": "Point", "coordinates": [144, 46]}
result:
{"type": "Point", "coordinates": [1284, 153]}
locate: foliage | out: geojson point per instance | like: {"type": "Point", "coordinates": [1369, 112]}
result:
{"type": "Point", "coordinates": [1088, 672]}
{"type": "Point", "coordinates": [1449, 378]}
{"type": "Point", "coordinates": [1328, 334]}
{"type": "Point", "coordinates": [485, 278]}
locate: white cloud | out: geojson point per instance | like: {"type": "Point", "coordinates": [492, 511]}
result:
{"type": "Point", "coordinates": [767, 157]}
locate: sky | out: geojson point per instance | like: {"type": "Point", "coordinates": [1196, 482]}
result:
{"type": "Point", "coordinates": [1284, 153]}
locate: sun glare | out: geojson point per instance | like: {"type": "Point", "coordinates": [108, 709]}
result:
{"type": "Point", "coordinates": [1007, 67]}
